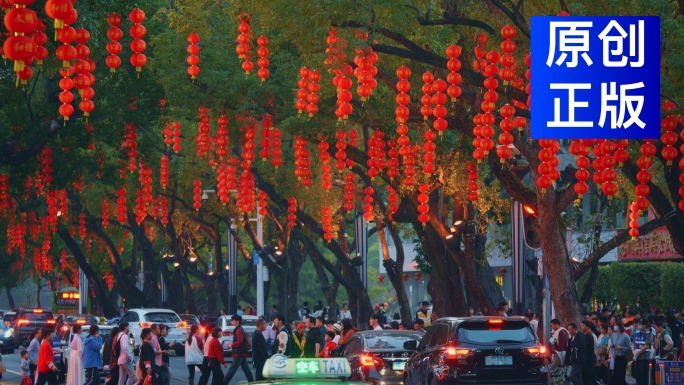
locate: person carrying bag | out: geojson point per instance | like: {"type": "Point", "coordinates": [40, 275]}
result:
{"type": "Point", "coordinates": [193, 354]}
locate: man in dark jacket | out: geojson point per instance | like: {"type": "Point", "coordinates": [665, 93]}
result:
{"type": "Point", "coordinates": [575, 355]}
{"type": "Point", "coordinates": [588, 370]}
{"type": "Point", "coordinates": [259, 353]}
{"type": "Point", "coordinates": [239, 352]}
{"type": "Point", "coordinates": [313, 339]}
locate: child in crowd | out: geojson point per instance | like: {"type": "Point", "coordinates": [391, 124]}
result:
{"type": "Point", "coordinates": [329, 344]}
{"type": "Point", "coordinates": [25, 371]}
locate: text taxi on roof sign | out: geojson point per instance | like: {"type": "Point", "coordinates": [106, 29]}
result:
{"type": "Point", "coordinates": [281, 367]}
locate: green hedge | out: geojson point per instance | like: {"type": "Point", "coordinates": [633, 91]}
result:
{"type": "Point", "coordinates": [639, 284]}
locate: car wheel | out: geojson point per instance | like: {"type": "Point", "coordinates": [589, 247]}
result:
{"type": "Point", "coordinates": [180, 352]}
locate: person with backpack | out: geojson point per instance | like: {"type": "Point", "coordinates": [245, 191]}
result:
{"type": "Point", "coordinates": [92, 360]}
{"type": "Point", "coordinates": [242, 344]}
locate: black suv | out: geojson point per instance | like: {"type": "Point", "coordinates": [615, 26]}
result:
{"type": "Point", "coordinates": [27, 320]}
{"type": "Point", "coordinates": [480, 350]}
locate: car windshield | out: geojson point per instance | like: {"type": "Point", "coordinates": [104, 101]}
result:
{"type": "Point", "coordinates": [484, 333]}
{"type": "Point", "coordinates": [390, 340]}
{"type": "Point", "coordinates": [162, 317]}
{"type": "Point", "coordinates": [190, 319]}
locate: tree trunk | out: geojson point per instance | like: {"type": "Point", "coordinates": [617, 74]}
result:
{"type": "Point", "coordinates": [40, 288]}
{"type": "Point", "coordinates": [556, 261]}
{"type": "Point", "coordinates": [10, 299]}
{"type": "Point", "coordinates": [395, 269]}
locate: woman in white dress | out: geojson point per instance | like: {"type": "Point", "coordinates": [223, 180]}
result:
{"type": "Point", "coordinates": [75, 372]}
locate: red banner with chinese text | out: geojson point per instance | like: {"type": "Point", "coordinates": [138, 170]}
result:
{"type": "Point", "coordinates": [655, 245]}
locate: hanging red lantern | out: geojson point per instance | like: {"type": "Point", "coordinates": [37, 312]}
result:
{"type": "Point", "coordinates": [426, 99]}
{"type": "Point", "coordinates": [327, 223]}
{"type": "Point", "coordinates": [365, 71]}
{"type": "Point", "coordinates": [193, 59]}
{"type": "Point", "coordinates": [393, 200]}
{"type": "Point", "coordinates": [137, 31]}
{"type": "Point", "coordinates": [418, 276]}
{"type": "Point", "coordinates": [176, 137]}
{"type": "Point", "coordinates": [312, 95]}
{"type": "Point", "coordinates": [105, 214]}
{"type": "Point", "coordinates": [368, 203]}
{"type": "Point", "coordinates": [302, 93]}
{"type": "Point", "coordinates": [344, 96]}
{"type": "Point", "coordinates": [292, 212]}
{"type": "Point", "coordinates": [324, 157]}
{"type": "Point", "coordinates": [423, 208]}
{"type": "Point", "coordinates": [454, 78]}
{"type": "Point", "coordinates": [429, 156]}
{"type": "Point", "coordinates": [439, 111]}
{"type": "Point", "coordinates": [341, 155]}
{"type": "Point", "coordinates": [261, 196]}
{"type": "Point", "coordinates": [203, 129]}
{"type": "Point", "coordinates": [380, 279]}
{"type": "Point", "coordinates": [4, 195]}
{"type": "Point", "coordinates": [244, 46]}
{"type": "Point", "coordinates": [197, 198]}
{"type": "Point", "coordinates": [262, 53]}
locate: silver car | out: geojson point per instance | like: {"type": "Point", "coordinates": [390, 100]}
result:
{"type": "Point", "coordinates": [138, 319]}
{"type": "Point", "coordinates": [105, 333]}
{"type": "Point", "coordinates": [248, 324]}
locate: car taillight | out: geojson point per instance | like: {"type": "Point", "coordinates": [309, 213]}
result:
{"type": "Point", "coordinates": [65, 327]}
{"type": "Point", "coordinates": [183, 325]}
{"type": "Point", "coordinates": [22, 322]}
{"type": "Point", "coordinates": [495, 321]}
{"type": "Point", "coordinates": [146, 325]}
{"type": "Point", "coordinates": [203, 330]}
{"type": "Point", "coordinates": [536, 351]}
{"type": "Point", "coordinates": [458, 353]}
{"type": "Point", "coordinates": [50, 322]}
{"type": "Point", "coordinates": [37, 310]}
{"type": "Point", "coordinates": [80, 321]}
{"type": "Point", "coordinates": [371, 361]}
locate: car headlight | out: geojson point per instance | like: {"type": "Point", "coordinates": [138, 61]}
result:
{"type": "Point", "coordinates": [9, 333]}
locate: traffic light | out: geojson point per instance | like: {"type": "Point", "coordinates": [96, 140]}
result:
{"type": "Point", "coordinates": [529, 231]}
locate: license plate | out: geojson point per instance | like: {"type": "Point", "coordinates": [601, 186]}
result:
{"type": "Point", "coordinates": [398, 365]}
{"type": "Point", "coordinates": [498, 360]}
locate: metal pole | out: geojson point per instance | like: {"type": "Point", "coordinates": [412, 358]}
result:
{"type": "Point", "coordinates": [547, 309]}
{"type": "Point", "coordinates": [260, 268]}
{"type": "Point", "coordinates": [81, 297]}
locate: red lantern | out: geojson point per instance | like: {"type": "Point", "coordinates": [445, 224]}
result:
{"type": "Point", "coordinates": [380, 279]}
{"type": "Point", "coordinates": [312, 95]}
{"type": "Point", "coordinates": [368, 203]}
{"type": "Point", "coordinates": [59, 10]}
{"type": "Point", "coordinates": [197, 198]}
{"type": "Point", "coordinates": [405, 277]}
{"type": "Point", "coordinates": [426, 99]}
{"type": "Point", "coordinates": [193, 59]}
{"type": "Point", "coordinates": [262, 53]}
{"type": "Point", "coordinates": [292, 210]}
{"type": "Point", "coordinates": [138, 60]}
{"type": "Point", "coordinates": [418, 276]}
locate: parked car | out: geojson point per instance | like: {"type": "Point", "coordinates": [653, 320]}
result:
{"type": "Point", "coordinates": [105, 333]}
{"type": "Point", "coordinates": [478, 350]}
{"type": "Point", "coordinates": [379, 356]}
{"type": "Point", "coordinates": [6, 339]}
{"type": "Point", "coordinates": [224, 322]}
{"type": "Point", "coordinates": [27, 320]}
{"type": "Point", "coordinates": [139, 319]}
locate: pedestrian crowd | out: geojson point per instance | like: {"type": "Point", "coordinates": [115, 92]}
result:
{"type": "Point", "coordinates": [616, 349]}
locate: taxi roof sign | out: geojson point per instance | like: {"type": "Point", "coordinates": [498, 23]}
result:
{"type": "Point", "coordinates": [279, 366]}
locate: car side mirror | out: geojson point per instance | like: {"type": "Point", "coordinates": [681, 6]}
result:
{"type": "Point", "coordinates": [411, 345]}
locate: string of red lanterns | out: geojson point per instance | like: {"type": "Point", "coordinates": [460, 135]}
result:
{"type": "Point", "coordinates": [244, 47]}
{"type": "Point", "coordinates": [368, 203]}
{"type": "Point", "coordinates": [326, 220]}
{"type": "Point", "coordinates": [262, 62]}
{"type": "Point", "coordinates": [349, 192]}
{"type": "Point", "coordinates": [193, 59]}
{"type": "Point", "coordinates": [197, 198]}
{"type": "Point", "coordinates": [114, 33]}
{"type": "Point", "coordinates": [453, 52]}
{"type": "Point", "coordinates": [324, 157]}
{"type": "Point", "coordinates": [138, 46]}
{"type": "Point", "coordinates": [105, 214]}
{"type": "Point", "coordinates": [40, 38]}
{"type": "Point", "coordinates": [292, 212]}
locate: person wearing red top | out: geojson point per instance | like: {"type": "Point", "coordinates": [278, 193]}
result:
{"type": "Point", "coordinates": [216, 357]}
{"type": "Point", "coordinates": [47, 371]}
{"type": "Point", "coordinates": [329, 344]}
